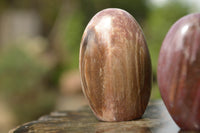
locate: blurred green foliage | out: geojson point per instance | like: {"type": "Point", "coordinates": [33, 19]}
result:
{"type": "Point", "coordinates": [158, 22]}
{"type": "Point", "coordinates": [138, 8]}
{"type": "Point", "coordinates": [73, 30]}
{"type": "Point", "coordinates": [18, 71]}
{"type": "Point", "coordinates": [47, 10]}
{"type": "Point", "coordinates": [21, 83]}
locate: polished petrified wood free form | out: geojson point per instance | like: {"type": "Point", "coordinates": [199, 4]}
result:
{"type": "Point", "coordinates": [179, 72]}
{"type": "Point", "coordinates": [115, 66]}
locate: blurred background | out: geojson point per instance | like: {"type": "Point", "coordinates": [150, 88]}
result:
{"type": "Point", "coordinates": [39, 49]}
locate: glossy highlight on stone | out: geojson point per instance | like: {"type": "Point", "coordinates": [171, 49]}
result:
{"type": "Point", "coordinates": [179, 72]}
{"type": "Point", "coordinates": [115, 66]}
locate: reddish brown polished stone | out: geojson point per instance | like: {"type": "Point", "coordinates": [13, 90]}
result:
{"type": "Point", "coordinates": [179, 72]}
{"type": "Point", "coordinates": [115, 66]}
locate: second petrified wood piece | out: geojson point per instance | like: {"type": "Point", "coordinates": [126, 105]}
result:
{"type": "Point", "coordinates": [179, 72]}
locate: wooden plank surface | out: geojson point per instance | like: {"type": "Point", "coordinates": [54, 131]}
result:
{"type": "Point", "coordinates": [156, 119]}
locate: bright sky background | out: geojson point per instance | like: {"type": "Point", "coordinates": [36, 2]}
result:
{"type": "Point", "coordinates": [194, 4]}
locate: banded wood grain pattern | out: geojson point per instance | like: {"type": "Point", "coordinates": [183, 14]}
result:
{"type": "Point", "coordinates": [115, 66]}
{"type": "Point", "coordinates": [179, 72]}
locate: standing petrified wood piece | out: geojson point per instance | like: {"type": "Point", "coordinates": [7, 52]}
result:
{"type": "Point", "coordinates": [115, 66]}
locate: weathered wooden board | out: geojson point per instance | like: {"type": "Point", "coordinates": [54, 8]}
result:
{"type": "Point", "coordinates": [156, 119]}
